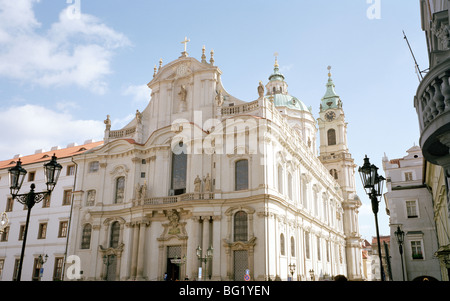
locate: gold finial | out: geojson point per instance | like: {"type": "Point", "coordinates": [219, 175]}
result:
{"type": "Point", "coordinates": [154, 71]}
{"type": "Point", "coordinates": [160, 63]}
{"type": "Point", "coordinates": [276, 60]}
{"type": "Point", "coordinates": [329, 71]}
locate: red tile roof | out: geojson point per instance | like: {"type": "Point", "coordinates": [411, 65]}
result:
{"type": "Point", "coordinates": [45, 156]}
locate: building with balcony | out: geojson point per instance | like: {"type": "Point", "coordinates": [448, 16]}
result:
{"type": "Point", "coordinates": [200, 172]}
{"type": "Point", "coordinates": [432, 103]}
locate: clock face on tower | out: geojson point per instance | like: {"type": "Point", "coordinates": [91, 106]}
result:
{"type": "Point", "coordinates": [330, 116]}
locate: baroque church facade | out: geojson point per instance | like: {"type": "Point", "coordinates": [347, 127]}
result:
{"type": "Point", "coordinates": [200, 173]}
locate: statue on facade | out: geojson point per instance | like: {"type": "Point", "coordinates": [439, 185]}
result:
{"type": "Point", "coordinates": [138, 191]}
{"type": "Point", "coordinates": [219, 98]}
{"type": "Point", "coordinates": [261, 90]}
{"type": "Point", "coordinates": [144, 190]}
{"type": "Point", "coordinates": [138, 117]}
{"type": "Point", "coordinates": [197, 184]}
{"type": "Point", "coordinates": [183, 93]}
{"type": "Point", "coordinates": [207, 181]}
{"type": "Point", "coordinates": [108, 123]}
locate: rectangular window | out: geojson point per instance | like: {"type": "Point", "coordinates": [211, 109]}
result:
{"type": "Point", "coordinates": [408, 176]}
{"type": "Point", "coordinates": [66, 197]}
{"type": "Point", "coordinates": [63, 229]}
{"type": "Point", "coordinates": [42, 232]}
{"type": "Point", "coordinates": [57, 270]}
{"type": "Point", "coordinates": [31, 175]}
{"type": "Point", "coordinates": [2, 264]}
{"type": "Point", "coordinates": [5, 234]}
{"type": "Point", "coordinates": [9, 205]}
{"type": "Point", "coordinates": [21, 232]}
{"type": "Point", "coordinates": [70, 170]}
{"type": "Point", "coordinates": [416, 249]}
{"type": "Point", "coordinates": [36, 270]}
{"type": "Point", "coordinates": [46, 201]}
{"type": "Point", "coordinates": [411, 209]}
{"type": "Point", "coordinates": [94, 166]}
{"type": "Point", "coordinates": [16, 269]}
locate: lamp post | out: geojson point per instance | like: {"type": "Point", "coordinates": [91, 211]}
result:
{"type": "Point", "coordinates": [311, 273]}
{"type": "Point", "coordinates": [292, 270]}
{"type": "Point", "coordinates": [209, 255]}
{"type": "Point", "coordinates": [41, 261]}
{"type": "Point", "coordinates": [373, 185]}
{"type": "Point", "coordinates": [400, 235]}
{"type": "Point", "coordinates": [17, 174]}
{"type": "Point", "coordinates": [3, 222]}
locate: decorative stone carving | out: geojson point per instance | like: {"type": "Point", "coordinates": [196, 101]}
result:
{"type": "Point", "coordinates": [207, 186]}
{"type": "Point", "coordinates": [197, 184]}
{"type": "Point", "coordinates": [261, 89]}
{"type": "Point", "coordinates": [174, 228]}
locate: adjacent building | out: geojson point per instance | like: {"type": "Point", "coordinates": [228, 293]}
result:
{"type": "Point", "coordinates": [409, 205]}
{"type": "Point", "coordinates": [432, 103]}
{"type": "Point", "coordinates": [49, 225]}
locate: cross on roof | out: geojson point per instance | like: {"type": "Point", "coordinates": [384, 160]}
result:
{"type": "Point", "coordinates": [186, 40]}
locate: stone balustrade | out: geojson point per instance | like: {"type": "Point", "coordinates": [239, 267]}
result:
{"type": "Point", "coordinates": [122, 133]}
{"type": "Point", "coordinates": [432, 103]}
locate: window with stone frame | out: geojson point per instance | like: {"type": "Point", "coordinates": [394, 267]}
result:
{"type": "Point", "coordinates": [119, 192]}
{"type": "Point", "coordinates": [240, 226]}
{"type": "Point", "coordinates": [86, 237]}
{"type": "Point", "coordinates": [416, 249]}
{"type": "Point", "coordinates": [282, 245]}
{"type": "Point", "coordinates": [411, 209]}
{"type": "Point", "coordinates": [331, 135]}
{"type": "Point", "coordinates": [114, 235]}
{"type": "Point", "coordinates": [241, 174]}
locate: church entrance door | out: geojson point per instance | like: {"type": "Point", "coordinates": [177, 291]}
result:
{"type": "Point", "coordinates": [240, 264]}
{"type": "Point", "coordinates": [173, 269]}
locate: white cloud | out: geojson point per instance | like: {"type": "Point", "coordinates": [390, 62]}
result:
{"type": "Point", "coordinates": [74, 51]}
{"type": "Point", "coordinates": [36, 127]}
{"type": "Point", "coordinates": [140, 93]}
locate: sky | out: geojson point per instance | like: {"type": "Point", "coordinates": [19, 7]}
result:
{"type": "Point", "coordinates": [66, 64]}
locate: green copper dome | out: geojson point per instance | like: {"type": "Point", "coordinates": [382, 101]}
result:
{"type": "Point", "coordinates": [289, 101]}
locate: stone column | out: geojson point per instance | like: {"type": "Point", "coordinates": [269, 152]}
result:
{"type": "Point", "coordinates": [216, 275]}
{"type": "Point", "coordinates": [205, 246]}
{"type": "Point", "coordinates": [140, 259]}
{"type": "Point", "coordinates": [134, 256]}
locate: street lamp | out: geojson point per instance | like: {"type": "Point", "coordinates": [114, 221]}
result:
{"type": "Point", "coordinates": [17, 174]}
{"type": "Point", "coordinates": [3, 222]}
{"type": "Point", "coordinates": [209, 255]}
{"type": "Point", "coordinates": [400, 235]}
{"type": "Point", "coordinates": [292, 270]}
{"type": "Point", "coordinates": [311, 273]}
{"type": "Point", "coordinates": [373, 185]}
{"type": "Point", "coordinates": [41, 261]}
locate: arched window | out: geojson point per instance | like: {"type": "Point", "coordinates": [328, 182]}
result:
{"type": "Point", "coordinates": [86, 237]}
{"type": "Point", "coordinates": [292, 246]}
{"type": "Point", "coordinates": [119, 191]}
{"type": "Point", "coordinates": [331, 137]}
{"type": "Point", "coordinates": [280, 178]}
{"type": "Point", "coordinates": [304, 194]}
{"type": "Point", "coordinates": [240, 226]}
{"type": "Point", "coordinates": [179, 169]}
{"type": "Point", "coordinates": [114, 236]}
{"type": "Point", "coordinates": [290, 186]}
{"type": "Point", "coordinates": [282, 244]}
{"type": "Point", "coordinates": [241, 175]}
{"type": "Point", "coordinates": [334, 173]}
{"type": "Point", "coordinates": [307, 253]}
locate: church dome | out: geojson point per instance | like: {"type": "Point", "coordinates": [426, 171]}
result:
{"type": "Point", "coordinates": [277, 90]}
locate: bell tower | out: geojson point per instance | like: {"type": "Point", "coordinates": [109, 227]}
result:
{"type": "Point", "coordinates": [335, 156]}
